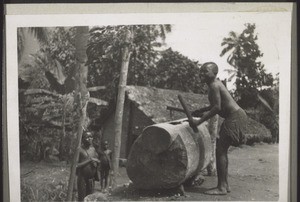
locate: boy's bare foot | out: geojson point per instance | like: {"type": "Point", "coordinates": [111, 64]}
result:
{"type": "Point", "coordinates": [216, 191]}
{"type": "Point", "coordinates": [181, 190]}
{"type": "Point", "coordinates": [228, 189]}
{"type": "Point", "coordinates": [198, 180]}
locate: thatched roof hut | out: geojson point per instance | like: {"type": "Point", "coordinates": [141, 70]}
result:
{"type": "Point", "coordinates": [154, 101]}
{"type": "Point", "coordinates": [145, 106]}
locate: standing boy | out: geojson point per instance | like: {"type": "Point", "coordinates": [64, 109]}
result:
{"type": "Point", "coordinates": [232, 129]}
{"type": "Point", "coordinates": [87, 167]}
{"type": "Point", "coordinates": [106, 157]}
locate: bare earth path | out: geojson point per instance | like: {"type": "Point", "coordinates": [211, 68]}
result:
{"type": "Point", "coordinates": [253, 176]}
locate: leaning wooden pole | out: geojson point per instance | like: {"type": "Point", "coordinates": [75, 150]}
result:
{"type": "Point", "coordinates": [63, 128]}
{"type": "Point", "coordinates": [120, 105]}
{"type": "Point", "coordinates": [81, 98]}
{"type": "Point", "coordinates": [75, 157]}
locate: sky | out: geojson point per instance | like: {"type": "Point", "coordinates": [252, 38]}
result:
{"type": "Point", "coordinates": [200, 39]}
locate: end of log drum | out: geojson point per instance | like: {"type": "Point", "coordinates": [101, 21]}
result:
{"type": "Point", "coordinates": [167, 154]}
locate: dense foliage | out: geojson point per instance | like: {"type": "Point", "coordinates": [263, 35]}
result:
{"type": "Point", "coordinates": [45, 98]}
{"type": "Point", "coordinates": [244, 54]}
{"type": "Point", "coordinates": [254, 87]}
{"type": "Point", "coordinates": [104, 55]}
{"type": "Point", "coordinates": [177, 72]}
{"type": "Point", "coordinates": [150, 64]}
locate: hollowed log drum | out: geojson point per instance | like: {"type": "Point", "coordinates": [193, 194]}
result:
{"type": "Point", "coordinates": [167, 154]}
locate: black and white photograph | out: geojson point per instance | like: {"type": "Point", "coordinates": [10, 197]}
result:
{"type": "Point", "coordinates": [146, 106]}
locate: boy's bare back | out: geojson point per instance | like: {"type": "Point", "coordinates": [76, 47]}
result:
{"type": "Point", "coordinates": [218, 94]}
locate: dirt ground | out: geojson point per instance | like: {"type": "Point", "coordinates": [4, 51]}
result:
{"type": "Point", "coordinates": [253, 176]}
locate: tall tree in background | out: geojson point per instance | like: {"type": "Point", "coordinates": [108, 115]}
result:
{"type": "Point", "coordinates": [105, 56]}
{"type": "Point", "coordinates": [244, 54]}
{"type": "Point", "coordinates": [253, 84]}
{"type": "Point", "coordinates": [113, 47]}
{"type": "Point", "coordinates": [177, 72]}
{"type": "Point", "coordinates": [81, 96]}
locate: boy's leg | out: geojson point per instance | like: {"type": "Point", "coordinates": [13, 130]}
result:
{"type": "Point", "coordinates": [226, 179]}
{"type": "Point", "coordinates": [222, 169]}
{"type": "Point", "coordinates": [106, 177]}
{"type": "Point", "coordinates": [81, 186]}
{"type": "Point", "coordinates": [218, 166]}
{"type": "Point", "coordinates": [89, 186]}
{"type": "Point", "coordinates": [102, 178]}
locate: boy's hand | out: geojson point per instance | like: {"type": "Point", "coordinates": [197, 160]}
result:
{"type": "Point", "coordinates": [197, 113]}
{"type": "Point", "coordinates": [95, 160]}
{"type": "Point", "coordinates": [193, 123]}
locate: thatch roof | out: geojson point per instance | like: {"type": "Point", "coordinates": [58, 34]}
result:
{"type": "Point", "coordinates": [257, 132]}
{"type": "Point", "coordinates": [153, 102]}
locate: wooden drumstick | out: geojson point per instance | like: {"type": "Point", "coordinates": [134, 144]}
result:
{"type": "Point", "coordinates": [187, 112]}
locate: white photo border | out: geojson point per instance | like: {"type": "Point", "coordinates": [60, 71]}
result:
{"type": "Point", "coordinates": [14, 21]}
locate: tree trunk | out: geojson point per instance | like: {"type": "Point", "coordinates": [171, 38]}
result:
{"type": "Point", "coordinates": [168, 154]}
{"type": "Point", "coordinates": [120, 105]}
{"type": "Point", "coordinates": [81, 98]}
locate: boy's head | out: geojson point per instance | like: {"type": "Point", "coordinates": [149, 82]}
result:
{"type": "Point", "coordinates": [87, 138]}
{"type": "Point", "coordinates": [208, 71]}
{"type": "Point", "coordinates": [105, 144]}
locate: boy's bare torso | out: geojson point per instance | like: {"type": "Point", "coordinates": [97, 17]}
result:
{"type": "Point", "coordinates": [228, 105]}
{"type": "Point", "coordinates": [90, 169]}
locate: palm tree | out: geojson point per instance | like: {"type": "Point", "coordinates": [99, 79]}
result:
{"type": "Point", "coordinates": [233, 45]}
{"type": "Point", "coordinates": [40, 33]}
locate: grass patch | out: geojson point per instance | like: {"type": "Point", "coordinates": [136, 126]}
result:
{"type": "Point", "coordinates": [44, 182]}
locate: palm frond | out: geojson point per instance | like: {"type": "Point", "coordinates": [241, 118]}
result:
{"type": "Point", "coordinates": [233, 34]}
{"type": "Point", "coordinates": [40, 34]}
{"type": "Point", "coordinates": [231, 77]}
{"type": "Point", "coordinates": [230, 70]}
{"type": "Point", "coordinates": [265, 103]}
{"type": "Point", "coordinates": [162, 32]}
{"type": "Point", "coordinates": [231, 60]}
{"type": "Point", "coordinates": [164, 29]}
{"type": "Point", "coordinates": [226, 49]}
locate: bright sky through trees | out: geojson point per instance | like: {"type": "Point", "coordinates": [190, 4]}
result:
{"type": "Point", "coordinates": [200, 39]}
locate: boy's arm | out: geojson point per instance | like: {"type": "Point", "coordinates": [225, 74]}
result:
{"type": "Point", "coordinates": [110, 155]}
{"type": "Point", "coordinates": [214, 108]}
{"type": "Point", "coordinates": [199, 112]}
{"type": "Point", "coordinates": [79, 165]}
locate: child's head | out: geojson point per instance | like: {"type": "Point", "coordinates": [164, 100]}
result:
{"type": "Point", "coordinates": [105, 144]}
{"type": "Point", "coordinates": [87, 138]}
{"type": "Point", "coordinates": [208, 71]}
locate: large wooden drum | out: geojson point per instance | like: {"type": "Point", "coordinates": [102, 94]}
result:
{"type": "Point", "coordinates": [167, 154]}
